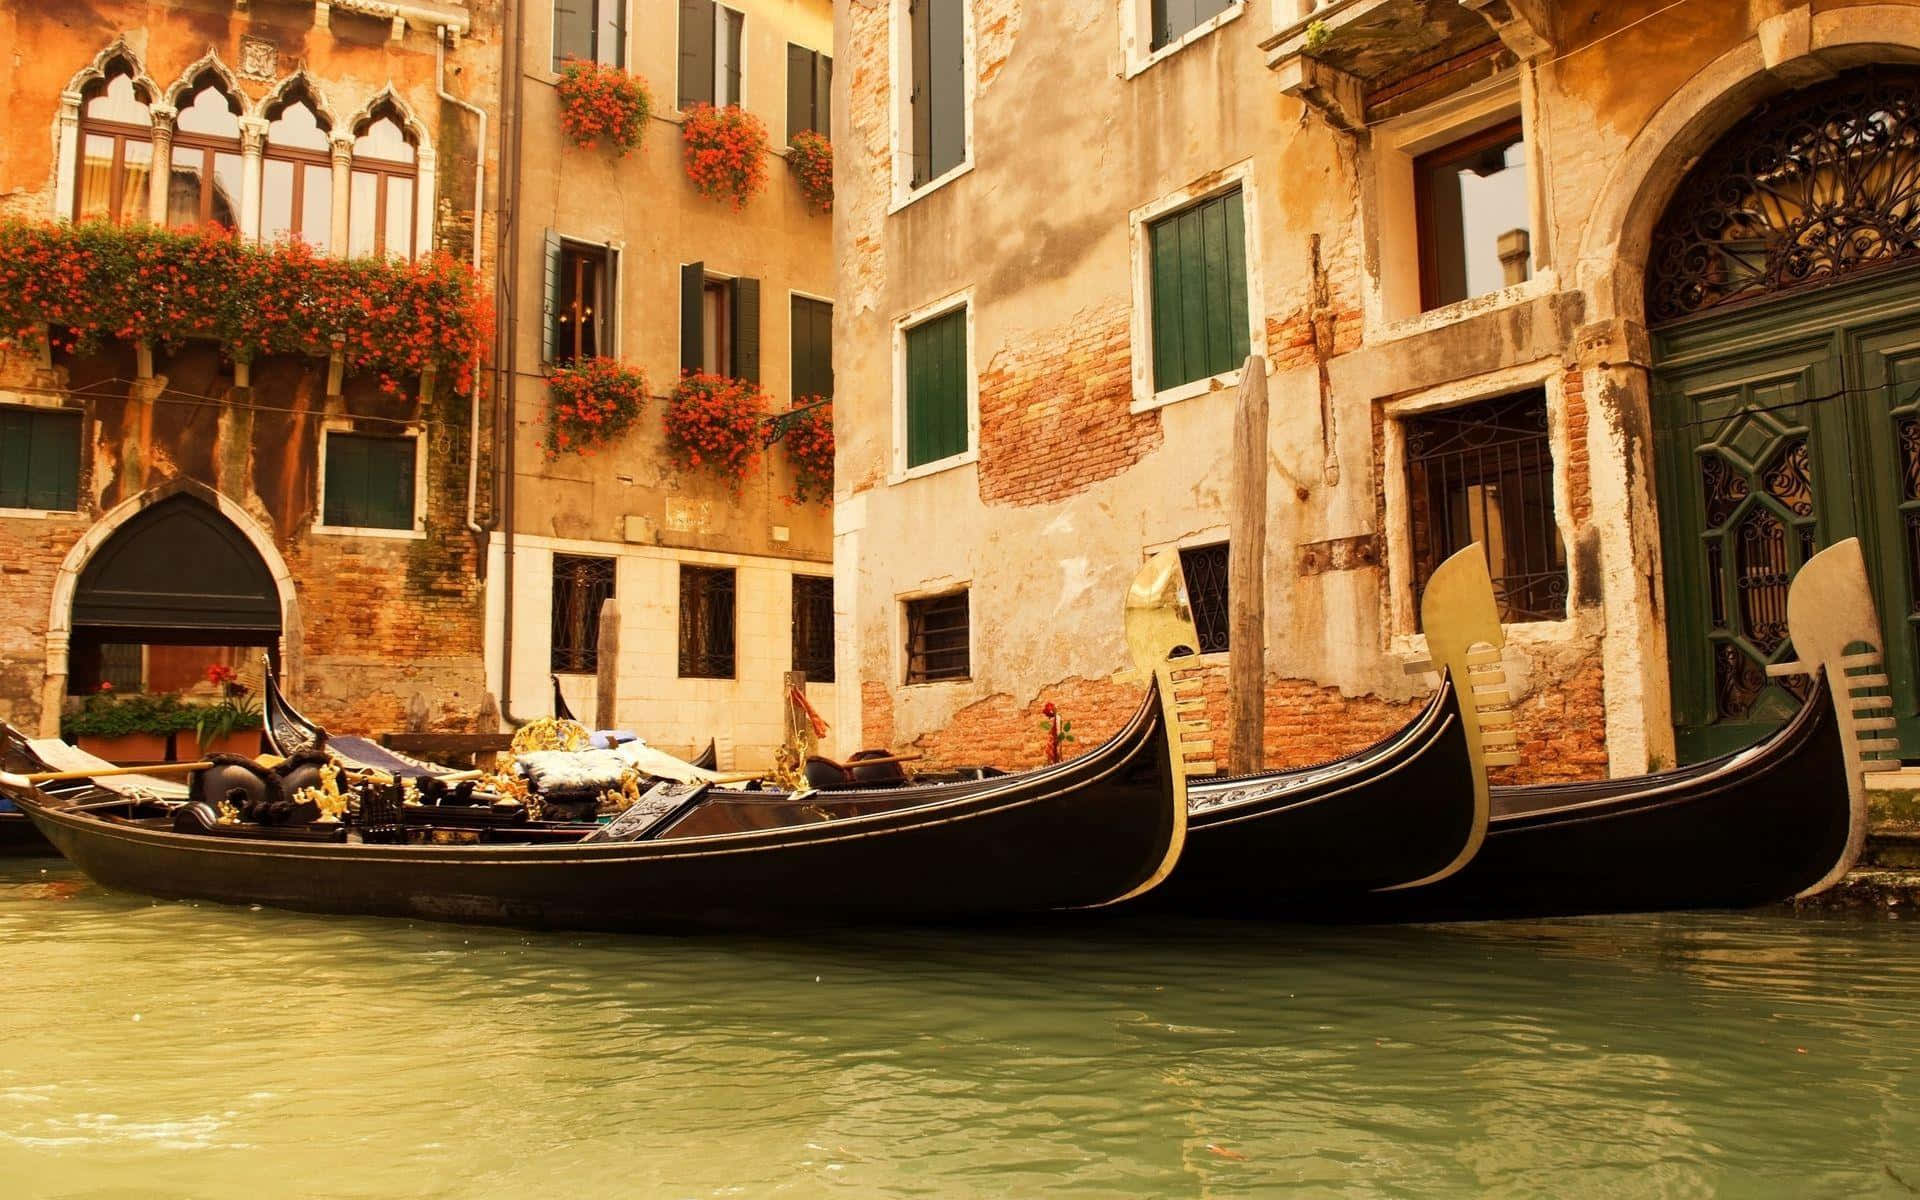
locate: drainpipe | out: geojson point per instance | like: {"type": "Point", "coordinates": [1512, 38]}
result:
{"type": "Point", "coordinates": [479, 225]}
{"type": "Point", "coordinates": [507, 266]}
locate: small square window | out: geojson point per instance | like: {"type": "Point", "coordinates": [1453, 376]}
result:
{"type": "Point", "coordinates": [594, 30]}
{"type": "Point", "coordinates": [719, 323]}
{"type": "Point", "coordinates": [39, 458]}
{"type": "Point", "coordinates": [706, 622]}
{"type": "Point", "coordinates": [813, 627]}
{"type": "Point", "coordinates": [1484, 473]}
{"type": "Point", "coordinates": [581, 585]}
{"type": "Point", "coordinates": [1473, 215]}
{"type": "Point", "coordinates": [369, 481]}
{"type": "Point", "coordinates": [1173, 19]}
{"type": "Point", "coordinates": [937, 387]}
{"type": "Point", "coordinates": [939, 639]}
{"type": "Point", "coordinates": [1205, 568]}
{"type": "Point", "coordinates": [1198, 305]}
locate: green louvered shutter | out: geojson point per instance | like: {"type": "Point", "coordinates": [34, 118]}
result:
{"type": "Point", "coordinates": [693, 319]}
{"type": "Point", "coordinates": [696, 52]}
{"type": "Point", "coordinates": [39, 459]}
{"type": "Point", "coordinates": [370, 481]}
{"type": "Point", "coordinates": [799, 90]}
{"type": "Point", "coordinates": [1199, 270]}
{"type": "Point", "coordinates": [812, 334]}
{"type": "Point", "coordinates": [937, 389]}
{"type": "Point", "coordinates": [550, 299]}
{"type": "Point", "coordinates": [746, 329]}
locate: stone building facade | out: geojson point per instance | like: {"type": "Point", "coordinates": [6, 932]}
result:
{"type": "Point", "coordinates": [164, 504]}
{"type": "Point", "coordinates": [720, 591]}
{"type": "Point", "coordinates": [1621, 290]}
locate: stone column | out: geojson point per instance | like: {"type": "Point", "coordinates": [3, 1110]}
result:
{"type": "Point", "coordinates": [342, 194]}
{"type": "Point", "coordinates": [423, 193]}
{"type": "Point", "coordinates": [253, 142]}
{"type": "Point", "coordinates": [67, 159]}
{"type": "Point", "coordinates": [160, 182]}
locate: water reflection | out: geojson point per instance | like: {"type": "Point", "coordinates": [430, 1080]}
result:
{"type": "Point", "coordinates": [1733, 1054]}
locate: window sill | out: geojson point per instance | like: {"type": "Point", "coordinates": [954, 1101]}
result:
{"type": "Point", "coordinates": [934, 683]}
{"type": "Point", "coordinates": [37, 514]}
{"type": "Point", "coordinates": [1136, 65]}
{"type": "Point", "coordinates": [403, 535]}
{"type": "Point", "coordinates": [1513, 295]}
{"type": "Point", "coordinates": [1186, 391]}
{"type": "Point", "coordinates": [902, 199]}
{"type": "Point", "coordinates": [936, 467]}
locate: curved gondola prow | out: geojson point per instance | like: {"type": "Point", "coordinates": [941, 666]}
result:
{"type": "Point", "coordinates": [288, 731]}
{"type": "Point", "coordinates": [1835, 629]}
{"type": "Point", "coordinates": [562, 711]}
{"type": "Point", "coordinates": [1160, 632]}
{"type": "Point", "coordinates": [1461, 618]}
{"type": "Point", "coordinates": [708, 759]}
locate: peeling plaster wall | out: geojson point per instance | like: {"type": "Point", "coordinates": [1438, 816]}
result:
{"type": "Point", "coordinates": [1039, 229]}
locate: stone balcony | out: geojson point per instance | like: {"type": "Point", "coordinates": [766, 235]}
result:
{"type": "Point", "coordinates": [1337, 54]}
{"type": "Point", "coordinates": [400, 15]}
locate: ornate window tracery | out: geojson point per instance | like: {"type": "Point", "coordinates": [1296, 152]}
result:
{"type": "Point", "coordinates": [116, 148]}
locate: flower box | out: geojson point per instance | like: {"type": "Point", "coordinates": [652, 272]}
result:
{"type": "Point", "coordinates": [240, 741]}
{"type": "Point", "coordinates": [126, 749]}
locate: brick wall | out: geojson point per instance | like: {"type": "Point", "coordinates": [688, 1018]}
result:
{"type": "Point", "coordinates": [1054, 416]}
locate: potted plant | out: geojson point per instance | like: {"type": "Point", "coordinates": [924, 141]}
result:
{"type": "Point", "coordinates": [600, 103]}
{"type": "Point", "coordinates": [725, 152]}
{"type": "Point", "coordinates": [594, 401]}
{"type": "Point", "coordinates": [714, 425]}
{"type": "Point", "coordinates": [811, 158]}
{"type": "Point", "coordinates": [127, 730]}
{"type": "Point", "coordinates": [231, 725]}
{"type": "Point", "coordinates": [807, 433]}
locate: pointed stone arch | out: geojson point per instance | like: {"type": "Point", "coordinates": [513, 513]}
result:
{"type": "Point", "coordinates": [244, 530]}
{"type": "Point", "coordinates": [386, 97]}
{"type": "Point", "coordinates": [116, 50]}
{"type": "Point", "coordinates": [208, 63]}
{"type": "Point", "coordinates": [302, 82]}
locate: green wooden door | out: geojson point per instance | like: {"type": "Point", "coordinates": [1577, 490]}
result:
{"type": "Point", "coordinates": [1779, 430]}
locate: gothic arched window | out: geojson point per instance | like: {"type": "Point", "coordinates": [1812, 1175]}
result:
{"type": "Point", "coordinates": [381, 211]}
{"type": "Point", "coordinates": [116, 148]}
{"type": "Point", "coordinates": [206, 168]}
{"type": "Point", "coordinates": [296, 183]}
{"type": "Point", "coordinates": [1810, 186]}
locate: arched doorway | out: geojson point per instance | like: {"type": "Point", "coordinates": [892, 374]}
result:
{"type": "Point", "coordinates": [174, 588]}
{"type": "Point", "coordinates": [1783, 292]}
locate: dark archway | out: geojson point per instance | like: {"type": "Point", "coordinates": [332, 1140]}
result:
{"type": "Point", "coordinates": [178, 574]}
{"type": "Point", "coordinates": [1784, 284]}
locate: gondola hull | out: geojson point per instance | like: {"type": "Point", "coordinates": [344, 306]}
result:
{"type": "Point", "coordinates": [1266, 845]}
{"type": "Point", "coordinates": [1753, 828]}
{"type": "Point", "coordinates": [1083, 833]}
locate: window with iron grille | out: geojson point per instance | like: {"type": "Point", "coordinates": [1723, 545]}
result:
{"type": "Point", "coordinates": [1484, 473]}
{"type": "Point", "coordinates": [580, 586]}
{"type": "Point", "coordinates": [706, 622]}
{"type": "Point", "coordinates": [938, 639]}
{"type": "Point", "coordinates": [813, 627]}
{"type": "Point", "coordinates": [1206, 570]}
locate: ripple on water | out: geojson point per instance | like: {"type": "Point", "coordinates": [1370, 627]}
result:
{"type": "Point", "coordinates": [1701, 1054]}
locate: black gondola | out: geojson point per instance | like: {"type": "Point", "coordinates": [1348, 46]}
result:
{"type": "Point", "coordinates": [1099, 828]}
{"type": "Point", "coordinates": [1781, 819]}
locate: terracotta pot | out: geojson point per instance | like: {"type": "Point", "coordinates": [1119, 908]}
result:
{"type": "Point", "coordinates": [127, 750]}
{"type": "Point", "coordinates": [240, 741]}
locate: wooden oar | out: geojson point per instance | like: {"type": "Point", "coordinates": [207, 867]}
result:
{"type": "Point", "coordinates": [881, 760]}
{"type": "Point", "coordinates": [39, 777]}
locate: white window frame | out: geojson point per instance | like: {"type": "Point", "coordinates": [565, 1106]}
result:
{"type": "Point", "coordinates": [1140, 325]}
{"type": "Point", "coordinates": [900, 124]}
{"type": "Point", "coordinates": [613, 253]}
{"type": "Point", "coordinates": [417, 430]}
{"type": "Point", "coordinates": [1549, 376]}
{"type": "Point", "coordinates": [1136, 33]}
{"type": "Point", "coordinates": [901, 325]}
{"type": "Point", "coordinates": [51, 404]}
{"type": "Point", "coordinates": [931, 591]}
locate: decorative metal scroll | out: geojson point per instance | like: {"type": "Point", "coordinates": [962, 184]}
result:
{"type": "Point", "coordinates": [1811, 186]}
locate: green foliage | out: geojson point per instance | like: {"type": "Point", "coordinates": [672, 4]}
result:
{"type": "Point", "coordinates": [1317, 35]}
{"type": "Point", "coordinates": [106, 715]}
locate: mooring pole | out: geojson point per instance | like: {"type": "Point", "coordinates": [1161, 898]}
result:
{"type": "Point", "coordinates": [606, 688]}
{"type": "Point", "coordinates": [1246, 573]}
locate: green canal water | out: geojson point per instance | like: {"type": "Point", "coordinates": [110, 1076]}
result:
{"type": "Point", "coordinates": [195, 1050]}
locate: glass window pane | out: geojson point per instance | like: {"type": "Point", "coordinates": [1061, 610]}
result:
{"type": "Point", "coordinates": [276, 199]}
{"type": "Point", "coordinates": [384, 139]}
{"type": "Point", "coordinates": [209, 112]}
{"type": "Point", "coordinates": [611, 40]}
{"type": "Point", "coordinates": [360, 214]}
{"type": "Point", "coordinates": [136, 166]}
{"type": "Point", "coordinates": [183, 189]}
{"type": "Point", "coordinates": [227, 170]}
{"type": "Point", "coordinates": [96, 177]}
{"type": "Point", "coordinates": [316, 207]}
{"type": "Point", "coordinates": [572, 30]}
{"type": "Point", "coordinates": [399, 217]}
{"type": "Point", "coordinates": [118, 102]}
{"type": "Point", "coordinates": [1471, 194]}
{"type": "Point", "coordinates": [297, 126]}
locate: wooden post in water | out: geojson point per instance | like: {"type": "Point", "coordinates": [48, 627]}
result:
{"type": "Point", "coordinates": [1246, 573]}
{"type": "Point", "coordinates": [606, 690]}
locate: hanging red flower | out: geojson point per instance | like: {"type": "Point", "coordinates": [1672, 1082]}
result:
{"type": "Point", "coordinates": [594, 401]}
{"type": "Point", "coordinates": [811, 157]}
{"type": "Point", "coordinates": [726, 152]}
{"type": "Point", "coordinates": [808, 438]}
{"type": "Point", "coordinates": [714, 425]}
{"type": "Point", "coordinates": [599, 103]}
{"type": "Point", "coordinates": [93, 281]}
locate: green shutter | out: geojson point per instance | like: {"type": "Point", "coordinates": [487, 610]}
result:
{"type": "Point", "coordinates": [39, 458]}
{"type": "Point", "coordinates": [799, 90]}
{"type": "Point", "coordinates": [1199, 283]}
{"type": "Point", "coordinates": [550, 299]}
{"type": "Point", "coordinates": [696, 52]}
{"type": "Point", "coordinates": [937, 389]}
{"type": "Point", "coordinates": [812, 337]}
{"type": "Point", "coordinates": [823, 95]}
{"type": "Point", "coordinates": [370, 482]}
{"type": "Point", "coordinates": [693, 282]}
{"type": "Point", "coordinates": [746, 329]}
